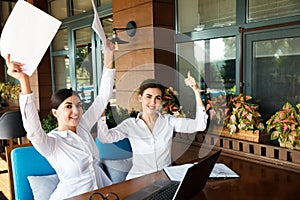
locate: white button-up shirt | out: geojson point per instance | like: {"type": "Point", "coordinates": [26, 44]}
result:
{"type": "Point", "coordinates": [74, 157]}
{"type": "Point", "coordinates": [151, 150]}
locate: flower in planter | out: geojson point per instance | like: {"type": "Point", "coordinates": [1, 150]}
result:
{"type": "Point", "coordinates": [216, 109]}
{"type": "Point", "coordinates": [242, 115]}
{"type": "Point", "coordinates": [171, 104]}
{"type": "Point", "coordinates": [284, 125]}
{"type": "Point", "coordinates": [9, 91]}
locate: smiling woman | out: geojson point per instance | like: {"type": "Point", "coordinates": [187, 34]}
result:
{"type": "Point", "coordinates": [70, 148]}
{"type": "Point", "coordinates": [151, 132]}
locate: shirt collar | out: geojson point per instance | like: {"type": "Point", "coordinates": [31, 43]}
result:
{"type": "Point", "coordinates": [140, 113]}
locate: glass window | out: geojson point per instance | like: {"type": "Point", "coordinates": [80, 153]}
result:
{"type": "Point", "coordinates": [83, 64]}
{"type": "Point", "coordinates": [265, 9]}
{"type": "Point", "coordinates": [104, 2]}
{"type": "Point", "coordinates": [6, 8]}
{"type": "Point", "coordinates": [107, 24]}
{"type": "Point", "coordinates": [195, 15]}
{"type": "Point", "coordinates": [62, 72]}
{"type": "Point", "coordinates": [276, 74]}
{"type": "Point", "coordinates": [79, 6]}
{"type": "Point", "coordinates": [212, 62]}
{"type": "Point", "coordinates": [60, 41]}
{"type": "Point", "coordinates": [58, 9]}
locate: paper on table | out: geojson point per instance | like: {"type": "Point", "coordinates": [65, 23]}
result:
{"type": "Point", "coordinates": [27, 34]}
{"type": "Point", "coordinates": [97, 26]}
{"type": "Point", "coordinates": [220, 170]}
{"type": "Point", "coordinates": [176, 173]}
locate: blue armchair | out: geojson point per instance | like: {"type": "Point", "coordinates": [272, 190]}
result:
{"type": "Point", "coordinates": [117, 158]}
{"type": "Point", "coordinates": [26, 161]}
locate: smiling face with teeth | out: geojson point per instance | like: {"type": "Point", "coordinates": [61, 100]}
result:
{"type": "Point", "coordinates": [69, 113]}
{"type": "Point", "coordinates": [151, 100]}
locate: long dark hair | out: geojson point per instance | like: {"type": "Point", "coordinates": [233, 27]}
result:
{"type": "Point", "coordinates": [151, 83]}
{"type": "Point", "coordinates": [60, 95]}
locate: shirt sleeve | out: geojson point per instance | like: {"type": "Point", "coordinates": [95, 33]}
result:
{"type": "Point", "coordinates": [93, 114]}
{"type": "Point", "coordinates": [31, 122]}
{"type": "Point", "coordinates": [188, 125]}
{"type": "Point", "coordinates": [106, 135]}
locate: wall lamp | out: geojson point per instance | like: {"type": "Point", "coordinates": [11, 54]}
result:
{"type": "Point", "coordinates": [130, 30]}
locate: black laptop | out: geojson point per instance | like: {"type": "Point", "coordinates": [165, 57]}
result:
{"type": "Point", "coordinates": [192, 183]}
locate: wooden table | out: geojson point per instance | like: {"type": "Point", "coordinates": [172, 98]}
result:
{"type": "Point", "coordinates": [258, 182]}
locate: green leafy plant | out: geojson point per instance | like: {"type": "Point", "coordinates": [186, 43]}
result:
{"type": "Point", "coordinates": [284, 125]}
{"type": "Point", "coordinates": [242, 115]}
{"type": "Point", "coordinates": [48, 124]}
{"type": "Point", "coordinates": [115, 115]}
{"type": "Point", "coordinates": [9, 90]}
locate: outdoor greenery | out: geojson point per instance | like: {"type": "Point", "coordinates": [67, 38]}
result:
{"type": "Point", "coordinates": [240, 114]}
{"type": "Point", "coordinates": [48, 124]}
{"type": "Point", "coordinates": [235, 113]}
{"type": "Point", "coordinates": [115, 115]}
{"type": "Point", "coordinates": [9, 91]}
{"type": "Point", "coordinates": [284, 125]}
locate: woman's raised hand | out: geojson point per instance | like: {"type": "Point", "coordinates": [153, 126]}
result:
{"type": "Point", "coordinates": [14, 69]}
{"type": "Point", "coordinates": [191, 82]}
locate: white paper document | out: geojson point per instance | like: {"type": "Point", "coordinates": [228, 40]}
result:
{"type": "Point", "coordinates": [27, 35]}
{"type": "Point", "coordinates": [97, 26]}
{"type": "Point", "coordinates": [220, 170]}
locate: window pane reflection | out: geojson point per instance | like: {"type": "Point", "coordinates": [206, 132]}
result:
{"type": "Point", "coordinates": [62, 72]}
{"type": "Point", "coordinates": [211, 62]}
{"type": "Point", "coordinates": [60, 41]}
{"type": "Point", "coordinates": [266, 9]}
{"type": "Point", "coordinates": [195, 15]}
{"type": "Point", "coordinates": [104, 2]}
{"type": "Point", "coordinates": [58, 9]}
{"type": "Point", "coordinates": [79, 6]}
{"type": "Point", "coordinates": [83, 64]}
{"type": "Point", "coordinates": [276, 75]}
{"type": "Point", "coordinates": [6, 8]}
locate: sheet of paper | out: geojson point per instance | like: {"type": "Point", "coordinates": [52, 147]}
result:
{"type": "Point", "coordinates": [220, 170]}
{"type": "Point", "coordinates": [27, 35]}
{"type": "Point", "coordinates": [176, 173]}
{"type": "Point", "coordinates": [97, 26]}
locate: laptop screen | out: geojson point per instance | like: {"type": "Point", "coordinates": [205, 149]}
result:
{"type": "Point", "coordinates": [196, 177]}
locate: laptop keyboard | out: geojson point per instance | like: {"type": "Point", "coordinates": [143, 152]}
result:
{"type": "Point", "coordinates": [166, 193]}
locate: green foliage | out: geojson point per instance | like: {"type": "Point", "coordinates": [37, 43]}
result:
{"type": "Point", "coordinates": [49, 124]}
{"type": "Point", "coordinates": [9, 90]}
{"type": "Point", "coordinates": [284, 125]}
{"type": "Point", "coordinates": [242, 115]}
{"type": "Point", "coordinates": [115, 115]}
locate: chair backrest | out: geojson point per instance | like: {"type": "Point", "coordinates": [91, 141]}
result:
{"type": "Point", "coordinates": [11, 125]}
{"type": "Point", "coordinates": [114, 151]}
{"type": "Point", "coordinates": [27, 161]}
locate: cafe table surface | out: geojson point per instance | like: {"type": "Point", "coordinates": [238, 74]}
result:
{"type": "Point", "coordinates": [256, 182]}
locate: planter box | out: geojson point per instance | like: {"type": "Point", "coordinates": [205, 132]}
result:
{"type": "Point", "coordinates": [288, 145]}
{"type": "Point", "coordinates": [248, 135]}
